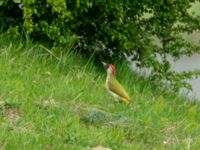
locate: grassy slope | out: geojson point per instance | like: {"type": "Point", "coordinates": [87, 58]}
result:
{"type": "Point", "coordinates": [62, 104]}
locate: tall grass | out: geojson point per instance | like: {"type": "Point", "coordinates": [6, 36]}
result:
{"type": "Point", "coordinates": [50, 103]}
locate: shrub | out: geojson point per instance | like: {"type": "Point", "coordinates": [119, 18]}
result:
{"type": "Point", "coordinates": [108, 29]}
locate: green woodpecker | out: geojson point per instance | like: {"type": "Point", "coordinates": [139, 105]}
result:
{"type": "Point", "coordinates": [113, 86]}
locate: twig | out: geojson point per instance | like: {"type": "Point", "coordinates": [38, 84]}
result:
{"type": "Point", "coordinates": [78, 96]}
{"type": "Point", "coordinates": [50, 52]}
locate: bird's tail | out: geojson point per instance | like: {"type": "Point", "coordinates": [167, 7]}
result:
{"type": "Point", "coordinates": [126, 101]}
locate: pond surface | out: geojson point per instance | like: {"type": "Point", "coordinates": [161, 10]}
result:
{"type": "Point", "coordinates": [184, 64]}
{"type": "Point", "coordinates": [190, 63]}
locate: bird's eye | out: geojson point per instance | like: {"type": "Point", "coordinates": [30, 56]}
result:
{"type": "Point", "coordinates": [107, 66]}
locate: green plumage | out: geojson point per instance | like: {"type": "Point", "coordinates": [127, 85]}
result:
{"type": "Point", "coordinates": [115, 87]}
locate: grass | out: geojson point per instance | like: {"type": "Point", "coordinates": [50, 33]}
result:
{"type": "Point", "coordinates": [49, 103]}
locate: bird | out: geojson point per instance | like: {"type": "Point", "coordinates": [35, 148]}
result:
{"type": "Point", "coordinates": [113, 86]}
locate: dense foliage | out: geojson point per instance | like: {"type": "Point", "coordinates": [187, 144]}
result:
{"type": "Point", "coordinates": [150, 31]}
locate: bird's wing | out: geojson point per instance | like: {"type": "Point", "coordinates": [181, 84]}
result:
{"type": "Point", "coordinates": [117, 88]}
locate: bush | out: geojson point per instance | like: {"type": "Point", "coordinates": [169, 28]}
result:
{"type": "Point", "coordinates": [108, 29]}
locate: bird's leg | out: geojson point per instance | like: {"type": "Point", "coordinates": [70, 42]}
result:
{"type": "Point", "coordinates": [115, 103]}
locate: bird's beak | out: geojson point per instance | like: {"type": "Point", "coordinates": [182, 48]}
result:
{"type": "Point", "coordinates": [104, 64]}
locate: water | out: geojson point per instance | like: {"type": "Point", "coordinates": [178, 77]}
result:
{"type": "Point", "coordinates": [190, 63]}
{"type": "Point", "coordinates": [184, 64]}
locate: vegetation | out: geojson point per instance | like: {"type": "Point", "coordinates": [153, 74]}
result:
{"type": "Point", "coordinates": [108, 29]}
{"type": "Point", "coordinates": [54, 98]}
{"type": "Point", "coordinates": [49, 102]}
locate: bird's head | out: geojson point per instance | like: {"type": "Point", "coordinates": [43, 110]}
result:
{"type": "Point", "coordinates": [109, 68]}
